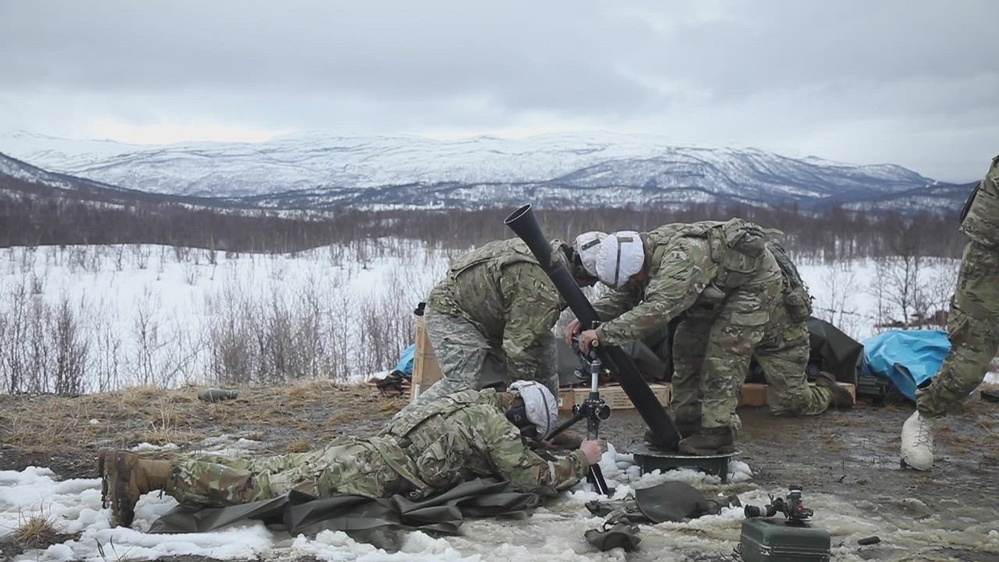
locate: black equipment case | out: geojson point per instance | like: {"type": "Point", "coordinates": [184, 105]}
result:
{"type": "Point", "coordinates": [778, 540]}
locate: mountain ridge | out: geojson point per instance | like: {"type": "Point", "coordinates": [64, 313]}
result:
{"type": "Point", "coordinates": [577, 170]}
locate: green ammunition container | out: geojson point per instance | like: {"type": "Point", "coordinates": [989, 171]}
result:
{"type": "Point", "coordinates": [774, 540]}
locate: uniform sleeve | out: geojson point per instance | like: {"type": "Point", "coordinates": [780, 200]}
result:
{"type": "Point", "coordinates": [685, 271]}
{"type": "Point", "coordinates": [613, 302]}
{"type": "Point", "coordinates": [512, 460]}
{"type": "Point", "coordinates": [533, 308]}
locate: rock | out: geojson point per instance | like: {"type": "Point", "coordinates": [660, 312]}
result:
{"type": "Point", "coordinates": [873, 539]}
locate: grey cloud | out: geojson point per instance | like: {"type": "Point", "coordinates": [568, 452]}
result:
{"type": "Point", "coordinates": [782, 72]}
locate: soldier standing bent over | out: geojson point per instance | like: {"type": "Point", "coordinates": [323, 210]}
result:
{"type": "Point", "coordinates": [728, 288]}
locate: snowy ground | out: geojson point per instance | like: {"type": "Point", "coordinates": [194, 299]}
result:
{"type": "Point", "coordinates": [154, 314]}
{"type": "Point", "coordinates": [908, 527]}
{"type": "Point", "coordinates": [554, 532]}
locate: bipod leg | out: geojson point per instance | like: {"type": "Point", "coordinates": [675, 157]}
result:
{"type": "Point", "coordinates": [596, 409]}
{"type": "Point", "coordinates": [596, 477]}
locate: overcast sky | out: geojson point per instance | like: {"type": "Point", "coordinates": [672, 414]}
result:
{"type": "Point", "coordinates": [911, 82]}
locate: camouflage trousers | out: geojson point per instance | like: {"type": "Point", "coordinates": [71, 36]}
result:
{"type": "Point", "coordinates": [345, 466]}
{"type": "Point", "coordinates": [468, 361]}
{"type": "Point", "coordinates": [712, 354]}
{"type": "Point", "coordinates": [973, 330]}
{"type": "Point", "coordinates": [783, 356]}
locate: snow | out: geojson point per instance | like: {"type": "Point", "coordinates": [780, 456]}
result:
{"type": "Point", "coordinates": [124, 293]}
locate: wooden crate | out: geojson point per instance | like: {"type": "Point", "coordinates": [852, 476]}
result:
{"type": "Point", "coordinates": [755, 394]}
{"type": "Point", "coordinates": [613, 395]}
{"type": "Point", "coordinates": [426, 370]}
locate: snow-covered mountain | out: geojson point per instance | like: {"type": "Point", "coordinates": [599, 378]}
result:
{"type": "Point", "coordinates": [605, 169]}
{"type": "Point", "coordinates": [49, 182]}
{"type": "Point", "coordinates": [23, 179]}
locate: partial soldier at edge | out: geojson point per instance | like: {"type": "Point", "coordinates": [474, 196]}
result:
{"type": "Point", "coordinates": [972, 325]}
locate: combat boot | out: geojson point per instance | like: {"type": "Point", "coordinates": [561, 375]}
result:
{"type": "Point", "coordinates": [917, 442]}
{"type": "Point", "coordinates": [688, 428]}
{"type": "Point", "coordinates": [124, 478]}
{"type": "Point", "coordinates": [710, 441]}
{"type": "Point", "coordinates": [685, 428]}
{"type": "Point", "coordinates": [841, 398]}
{"type": "Point", "coordinates": [687, 420]}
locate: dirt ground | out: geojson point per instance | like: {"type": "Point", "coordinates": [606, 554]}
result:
{"type": "Point", "coordinates": [852, 454]}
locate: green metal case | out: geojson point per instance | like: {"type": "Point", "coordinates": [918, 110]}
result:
{"type": "Point", "coordinates": [774, 540]}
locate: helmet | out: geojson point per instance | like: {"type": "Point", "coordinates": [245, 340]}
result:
{"type": "Point", "coordinates": [540, 407]}
{"type": "Point", "coordinates": [586, 247]}
{"type": "Point", "coordinates": [620, 256]}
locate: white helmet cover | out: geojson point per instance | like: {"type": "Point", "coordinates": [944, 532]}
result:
{"type": "Point", "coordinates": [542, 409]}
{"type": "Point", "coordinates": [620, 256]}
{"type": "Point", "coordinates": [586, 246]}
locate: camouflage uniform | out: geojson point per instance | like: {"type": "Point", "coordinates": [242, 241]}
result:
{"type": "Point", "coordinates": [728, 287]}
{"type": "Point", "coordinates": [422, 452]}
{"type": "Point", "coordinates": [783, 356]}
{"type": "Point", "coordinates": [491, 320]}
{"type": "Point", "coordinates": [973, 324]}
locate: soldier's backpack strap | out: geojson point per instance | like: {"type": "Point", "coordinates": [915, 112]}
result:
{"type": "Point", "coordinates": [969, 202]}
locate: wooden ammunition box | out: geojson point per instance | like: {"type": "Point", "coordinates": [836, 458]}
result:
{"type": "Point", "coordinates": [426, 370]}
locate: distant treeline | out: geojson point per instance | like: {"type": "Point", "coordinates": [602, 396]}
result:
{"type": "Point", "coordinates": [28, 219]}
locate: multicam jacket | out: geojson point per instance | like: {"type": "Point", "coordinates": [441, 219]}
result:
{"type": "Point", "coordinates": [980, 220]}
{"type": "Point", "coordinates": [502, 290]}
{"type": "Point", "coordinates": [687, 264]}
{"type": "Point", "coordinates": [466, 435]}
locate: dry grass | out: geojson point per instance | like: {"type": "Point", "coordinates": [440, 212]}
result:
{"type": "Point", "coordinates": [299, 446]}
{"type": "Point", "coordinates": [288, 418]}
{"type": "Point", "coordinates": [37, 531]}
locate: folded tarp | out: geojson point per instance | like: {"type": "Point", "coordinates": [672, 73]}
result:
{"type": "Point", "coordinates": [296, 512]}
{"type": "Point", "coordinates": [907, 358]}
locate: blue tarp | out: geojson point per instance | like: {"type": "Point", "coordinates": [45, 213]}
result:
{"type": "Point", "coordinates": [907, 358]}
{"type": "Point", "coordinates": [405, 364]}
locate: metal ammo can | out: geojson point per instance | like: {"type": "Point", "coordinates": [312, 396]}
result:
{"type": "Point", "coordinates": [775, 540]}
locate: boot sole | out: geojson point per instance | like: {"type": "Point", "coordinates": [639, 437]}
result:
{"type": "Point", "coordinates": [903, 464]}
